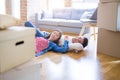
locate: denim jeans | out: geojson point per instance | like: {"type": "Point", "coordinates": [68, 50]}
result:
{"type": "Point", "coordinates": [38, 32]}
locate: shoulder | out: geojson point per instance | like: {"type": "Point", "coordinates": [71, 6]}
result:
{"type": "Point", "coordinates": [75, 46]}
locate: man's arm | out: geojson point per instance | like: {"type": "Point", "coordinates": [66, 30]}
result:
{"type": "Point", "coordinates": [62, 49]}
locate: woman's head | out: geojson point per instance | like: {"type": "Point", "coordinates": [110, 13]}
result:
{"type": "Point", "coordinates": [55, 36]}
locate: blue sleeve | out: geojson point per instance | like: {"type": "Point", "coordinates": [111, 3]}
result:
{"type": "Point", "coordinates": [41, 53]}
{"type": "Point", "coordinates": [45, 34]}
{"type": "Point", "coordinates": [62, 49]}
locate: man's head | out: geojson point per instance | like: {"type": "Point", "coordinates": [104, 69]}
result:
{"type": "Point", "coordinates": [85, 42]}
{"type": "Point", "coordinates": [82, 40]}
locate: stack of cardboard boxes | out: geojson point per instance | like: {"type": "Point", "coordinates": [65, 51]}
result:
{"type": "Point", "coordinates": [109, 27]}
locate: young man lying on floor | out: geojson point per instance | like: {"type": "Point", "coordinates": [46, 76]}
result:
{"type": "Point", "coordinates": [76, 44]}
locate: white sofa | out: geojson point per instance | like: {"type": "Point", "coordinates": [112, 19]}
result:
{"type": "Point", "coordinates": [67, 19]}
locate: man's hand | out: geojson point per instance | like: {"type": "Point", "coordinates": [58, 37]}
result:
{"type": "Point", "coordinates": [66, 38]}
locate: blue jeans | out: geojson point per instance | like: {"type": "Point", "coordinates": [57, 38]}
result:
{"type": "Point", "coordinates": [38, 32]}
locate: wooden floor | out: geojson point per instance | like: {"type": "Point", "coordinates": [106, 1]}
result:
{"type": "Point", "coordinates": [85, 65]}
{"type": "Point", "coordinates": [110, 67]}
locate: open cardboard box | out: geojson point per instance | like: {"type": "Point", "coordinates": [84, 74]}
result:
{"type": "Point", "coordinates": [109, 16]}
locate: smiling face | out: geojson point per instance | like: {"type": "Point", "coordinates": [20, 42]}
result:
{"type": "Point", "coordinates": [78, 40]}
{"type": "Point", "coordinates": [55, 35]}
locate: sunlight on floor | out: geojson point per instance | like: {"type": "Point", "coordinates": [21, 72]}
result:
{"type": "Point", "coordinates": [70, 69]}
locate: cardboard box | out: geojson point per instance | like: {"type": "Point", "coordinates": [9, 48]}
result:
{"type": "Point", "coordinates": [104, 1]}
{"type": "Point", "coordinates": [109, 42]}
{"type": "Point", "coordinates": [109, 16]}
{"type": "Point", "coordinates": [16, 47]}
{"type": "Point", "coordinates": [27, 71]}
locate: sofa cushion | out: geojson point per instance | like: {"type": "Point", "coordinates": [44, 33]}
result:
{"type": "Point", "coordinates": [48, 22]}
{"type": "Point", "coordinates": [94, 15]}
{"type": "Point", "coordinates": [61, 22]}
{"type": "Point", "coordinates": [86, 15]}
{"type": "Point", "coordinates": [76, 14]}
{"type": "Point", "coordinates": [62, 13]}
{"type": "Point", "coordinates": [70, 23]}
{"type": "Point", "coordinates": [48, 15]}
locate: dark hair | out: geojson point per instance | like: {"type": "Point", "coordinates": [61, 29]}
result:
{"type": "Point", "coordinates": [85, 42]}
{"type": "Point", "coordinates": [56, 41]}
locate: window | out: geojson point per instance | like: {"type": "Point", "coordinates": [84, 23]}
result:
{"type": "Point", "coordinates": [16, 8]}
{"type": "Point", "coordinates": [56, 4]}
{"type": "Point", "coordinates": [2, 7]}
{"type": "Point", "coordinates": [51, 4]}
{"type": "Point", "coordinates": [84, 3]}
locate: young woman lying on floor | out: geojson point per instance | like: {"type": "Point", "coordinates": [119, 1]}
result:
{"type": "Point", "coordinates": [45, 42]}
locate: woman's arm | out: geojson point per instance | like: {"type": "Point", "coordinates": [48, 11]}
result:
{"type": "Point", "coordinates": [42, 52]}
{"type": "Point", "coordinates": [62, 49]}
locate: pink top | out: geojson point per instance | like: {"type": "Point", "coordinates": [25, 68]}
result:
{"type": "Point", "coordinates": [41, 44]}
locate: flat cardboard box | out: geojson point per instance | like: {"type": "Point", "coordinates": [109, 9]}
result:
{"type": "Point", "coordinates": [108, 42]}
{"type": "Point", "coordinates": [109, 16]}
{"type": "Point", "coordinates": [16, 46]}
{"type": "Point", "coordinates": [104, 1]}
{"type": "Point", "coordinates": [27, 71]}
